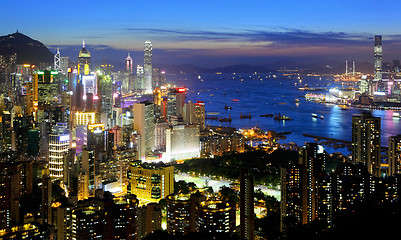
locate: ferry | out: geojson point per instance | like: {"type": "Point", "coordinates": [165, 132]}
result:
{"type": "Point", "coordinates": [226, 107]}
{"type": "Point", "coordinates": [245, 116]}
{"type": "Point", "coordinates": [314, 115]}
{"type": "Point", "coordinates": [235, 100]}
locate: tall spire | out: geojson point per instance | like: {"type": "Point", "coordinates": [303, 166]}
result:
{"type": "Point", "coordinates": [83, 43]}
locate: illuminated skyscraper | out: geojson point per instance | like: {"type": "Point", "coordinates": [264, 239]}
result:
{"type": "Point", "coordinates": [378, 57]}
{"type": "Point", "coordinates": [366, 142]}
{"type": "Point", "coordinates": [59, 142]}
{"type": "Point", "coordinates": [88, 223]}
{"type": "Point", "coordinates": [128, 63]}
{"type": "Point", "coordinates": [394, 155]}
{"type": "Point", "coordinates": [148, 67]}
{"type": "Point", "coordinates": [144, 125]}
{"type": "Point", "coordinates": [216, 217]}
{"type": "Point", "coordinates": [84, 60]}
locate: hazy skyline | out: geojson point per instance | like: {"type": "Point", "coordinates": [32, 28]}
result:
{"type": "Point", "coordinates": [210, 33]}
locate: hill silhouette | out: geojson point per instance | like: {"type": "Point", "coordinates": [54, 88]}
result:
{"type": "Point", "coordinates": [28, 50]}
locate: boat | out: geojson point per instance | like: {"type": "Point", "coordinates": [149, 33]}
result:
{"type": "Point", "coordinates": [235, 100]}
{"type": "Point", "coordinates": [321, 117]}
{"type": "Point", "coordinates": [396, 114]}
{"type": "Point", "coordinates": [314, 115]}
{"type": "Point", "coordinates": [226, 107]}
{"type": "Point", "coordinates": [225, 119]}
{"type": "Point", "coordinates": [267, 115]}
{"type": "Point", "coordinates": [280, 117]}
{"type": "Point", "coordinates": [296, 100]}
{"type": "Point", "coordinates": [245, 116]}
{"type": "Point", "coordinates": [344, 107]}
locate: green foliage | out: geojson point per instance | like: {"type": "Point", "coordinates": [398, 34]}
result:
{"type": "Point", "coordinates": [264, 166]}
{"type": "Point", "coordinates": [183, 187]}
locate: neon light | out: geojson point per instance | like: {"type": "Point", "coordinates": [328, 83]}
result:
{"type": "Point", "coordinates": [379, 93]}
{"type": "Point", "coordinates": [53, 72]}
{"type": "Point", "coordinates": [27, 65]}
{"type": "Point", "coordinates": [115, 95]}
{"type": "Point", "coordinates": [40, 72]}
{"type": "Point", "coordinates": [95, 97]}
{"type": "Point", "coordinates": [182, 89]}
{"type": "Point", "coordinates": [64, 138]}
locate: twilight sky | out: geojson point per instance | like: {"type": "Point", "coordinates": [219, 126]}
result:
{"type": "Point", "coordinates": [211, 32]}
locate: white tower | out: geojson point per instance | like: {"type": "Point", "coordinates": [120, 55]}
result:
{"type": "Point", "coordinates": [148, 67]}
{"type": "Point", "coordinates": [57, 65]}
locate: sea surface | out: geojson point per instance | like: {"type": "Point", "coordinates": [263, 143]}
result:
{"type": "Point", "coordinates": [268, 94]}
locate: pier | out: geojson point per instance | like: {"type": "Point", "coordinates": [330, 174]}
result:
{"type": "Point", "coordinates": [326, 138]}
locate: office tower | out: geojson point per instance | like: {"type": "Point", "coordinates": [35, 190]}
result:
{"type": "Point", "coordinates": [247, 214]}
{"type": "Point", "coordinates": [83, 186]}
{"type": "Point", "coordinates": [88, 167]}
{"type": "Point", "coordinates": [64, 64]}
{"type": "Point", "coordinates": [84, 61]}
{"type": "Point", "coordinates": [147, 65]}
{"type": "Point", "coordinates": [9, 196]}
{"type": "Point", "coordinates": [125, 217]}
{"type": "Point", "coordinates": [139, 79]}
{"type": "Point", "coordinates": [96, 136]}
{"type": "Point", "coordinates": [149, 219]}
{"type": "Point", "coordinates": [325, 199]}
{"type": "Point", "coordinates": [129, 64]}
{"type": "Point", "coordinates": [378, 50]}
{"type": "Point", "coordinates": [394, 155]}
{"type": "Point", "coordinates": [151, 183]}
{"type": "Point", "coordinates": [194, 113]}
{"type": "Point", "coordinates": [57, 64]}
{"type": "Point", "coordinates": [46, 207]}
{"type": "Point", "coordinates": [88, 223]}
{"type": "Point", "coordinates": [182, 142]}
{"type": "Point", "coordinates": [178, 213]}
{"type": "Point", "coordinates": [144, 125]}
{"type": "Point", "coordinates": [366, 143]}
{"type": "Point", "coordinates": [215, 217]}
{"type": "Point", "coordinates": [156, 77]}
{"type": "Point", "coordinates": [105, 92]}
{"type": "Point", "coordinates": [84, 118]}
{"type": "Point", "coordinates": [59, 142]}
{"type": "Point", "coordinates": [160, 135]}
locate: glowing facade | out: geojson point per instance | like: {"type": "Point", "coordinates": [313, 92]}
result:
{"type": "Point", "coordinates": [128, 63]}
{"type": "Point", "coordinates": [378, 57]}
{"type": "Point", "coordinates": [182, 142]}
{"type": "Point", "coordinates": [394, 155]}
{"type": "Point", "coordinates": [59, 142]}
{"type": "Point", "coordinates": [151, 184]}
{"type": "Point", "coordinates": [148, 67]}
{"type": "Point", "coordinates": [84, 60]}
{"type": "Point", "coordinates": [366, 145]}
{"type": "Point", "coordinates": [84, 118]}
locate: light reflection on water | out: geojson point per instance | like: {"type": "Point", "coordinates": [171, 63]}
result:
{"type": "Point", "coordinates": [277, 96]}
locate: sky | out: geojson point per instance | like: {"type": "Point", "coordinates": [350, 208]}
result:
{"type": "Point", "coordinates": [210, 33]}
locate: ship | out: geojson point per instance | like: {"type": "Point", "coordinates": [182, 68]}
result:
{"type": "Point", "coordinates": [225, 119]}
{"type": "Point", "coordinates": [226, 107]}
{"type": "Point", "coordinates": [245, 116]}
{"type": "Point", "coordinates": [267, 115]}
{"type": "Point", "coordinates": [280, 117]}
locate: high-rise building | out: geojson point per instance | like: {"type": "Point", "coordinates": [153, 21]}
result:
{"type": "Point", "coordinates": [147, 65]}
{"type": "Point", "coordinates": [216, 217]}
{"type": "Point", "coordinates": [366, 143]}
{"type": "Point", "coordinates": [149, 219]}
{"type": "Point", "coordinates": [9, 196]}
{"type": "Point", "coordinates": [83, 186]}
{"type": "Point", "coordinates": [88, 223]}
{"type": "Point", "coordinates": [378, 50]}
{"type": "Point", "coordinates": [194, 113]}
{"type": "Point", "coordinates": [129, 63]}
{"type": "Point", "coordinates": [394, 155]}
{"type": "Point", "coordinates": [247, 212]}
{"type": "Point", "coordinates": [139, 79]}
{"type": "Point", "coordinates": [59, 142]}
{"type": "Point", "coordinates": [144, 125]}
{"type": "Point", "coordinates": [125, 217]}
{"type": "Point", "coordinates": [182, 212]}
{"type": "Point", "coordinates": [178, 213]}
{"type": "Point", "coordinates": [300, 185]}
{"type": "Point", "coordinates": [182, 142]}
{"type": "Point", "coordinates": [46, 209]}
{"type": "Point", "coordinates": [84, 60]}
{"type": "Point", "coordinates": [151, 183]}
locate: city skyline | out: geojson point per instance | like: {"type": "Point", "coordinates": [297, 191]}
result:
{"type": "Point", "coordinates": [211, 33]}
